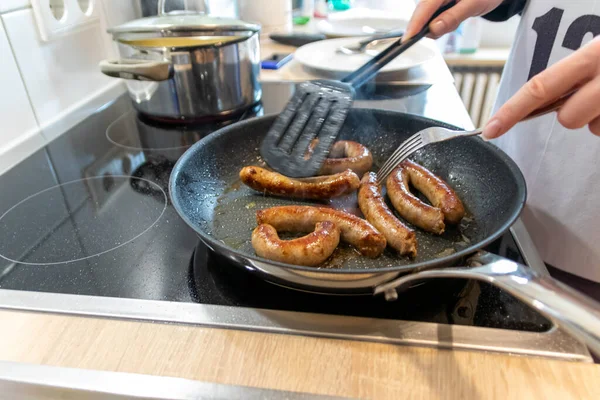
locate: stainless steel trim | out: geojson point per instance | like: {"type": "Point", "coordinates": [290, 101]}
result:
{"type": "Point", "coordinates": [554, 343]}
{"type": "Point", "coordinates": [19, 381]}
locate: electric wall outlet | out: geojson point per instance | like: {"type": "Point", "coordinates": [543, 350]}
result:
{"type": "Point", "coordinates": [56, 18]}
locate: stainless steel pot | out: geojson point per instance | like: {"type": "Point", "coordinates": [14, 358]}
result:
{"type": "Point", "coordinates": [182, 66]}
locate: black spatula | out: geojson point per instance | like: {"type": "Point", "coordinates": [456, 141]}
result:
{"type": "Point", "coordinates": [318, 110]}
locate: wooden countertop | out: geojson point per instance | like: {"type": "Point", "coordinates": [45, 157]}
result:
{"type": "Point", "coordinates": [286, 362]}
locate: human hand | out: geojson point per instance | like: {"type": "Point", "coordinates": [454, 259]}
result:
{"type": "Point", "coordinates": [580, 71]}
{"type": "Point", "coordinates": [449, 20]}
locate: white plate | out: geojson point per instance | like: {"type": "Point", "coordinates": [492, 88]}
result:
{"type": "Point", "coordinates": [361, 21]}
{"type": "Point", "coordinates": [360, 26]}
{"type": "Point", "coordinates": [322, 57]}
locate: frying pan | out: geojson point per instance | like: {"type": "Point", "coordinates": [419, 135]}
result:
{"type": "Point", "coordinates": [206, 191]}
{"type": "Point", "coordinates": [207, 194]}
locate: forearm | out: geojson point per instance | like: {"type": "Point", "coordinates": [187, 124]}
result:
{"type": "Point", "coordinates": [506, 10]}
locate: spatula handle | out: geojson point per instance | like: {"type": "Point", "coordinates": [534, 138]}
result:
{"type": "Point", "coordinates": [369, 70]}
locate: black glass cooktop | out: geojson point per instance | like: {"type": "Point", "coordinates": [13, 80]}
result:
{"type": "Point", "coordinates": [90, 214]}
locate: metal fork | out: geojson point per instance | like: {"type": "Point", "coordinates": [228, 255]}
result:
{"type": "Point", "coordinates": [361, 46]}
{"type": "Point", "coordinates": [438, 134]}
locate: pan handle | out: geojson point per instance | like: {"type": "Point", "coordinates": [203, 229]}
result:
{"type": "Point", "coordinates": [141, 70]}
{"type": "Point", "coordinates": [575, 313]}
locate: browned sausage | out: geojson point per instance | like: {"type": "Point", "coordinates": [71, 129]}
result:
{"type": "Point", "coordinates": [309, 250]}
{"type": "Point", "coordinates": [318, 188]}
{"type": "Point", "coordinates": [372, 205]}
{"type": "Point", "coordinates": [354, 230]}
{"type": "Point", "coordinates": [410, 207]}
{"type": "Point", "coordinates": [344, 155]}
{"type": "Point", "coordinates": [436, 190]}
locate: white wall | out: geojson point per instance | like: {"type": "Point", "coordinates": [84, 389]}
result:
{"type": "Point", "coordinates": [47, 87]}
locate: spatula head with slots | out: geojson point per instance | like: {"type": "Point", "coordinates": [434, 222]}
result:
{"type": "Point", "coordinates": [317, 110]}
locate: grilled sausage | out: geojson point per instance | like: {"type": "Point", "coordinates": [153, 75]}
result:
{"type": "Point", "coordinates": [354, 230]}
{"type": "Point", "coordinates": [309, 250]}
{"type": "Point", "coordinates": [318, 188]}
{"type": "Point", "coordinates": [344, 155]}
{"type": "Point", "coordinates": [436, 190]}
{"type": "Point", "coordinates": [372, 205]}
{"type": "Point", "coordinates": [410, 207]}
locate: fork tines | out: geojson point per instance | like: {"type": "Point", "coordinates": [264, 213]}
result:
{"type": "Point", "coordinates": [408, 147]}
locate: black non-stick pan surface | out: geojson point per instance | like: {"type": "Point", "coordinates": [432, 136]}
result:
{"type": "Point", "coordinates": [206, 190]}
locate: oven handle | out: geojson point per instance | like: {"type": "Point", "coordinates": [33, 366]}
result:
{"type": "Point", "coordinates": [576, 313]}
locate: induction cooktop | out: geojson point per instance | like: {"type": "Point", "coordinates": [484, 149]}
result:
{"type": "Point", "coordinates": [87, 227]}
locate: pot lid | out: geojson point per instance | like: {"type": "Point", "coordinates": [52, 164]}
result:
{"type": "Point", "coordinates": [184, 22]}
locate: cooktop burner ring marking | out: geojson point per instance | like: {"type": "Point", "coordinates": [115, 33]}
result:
{"type": "Point", "coordinates": [137, 148]}
{"type": "Point", "coordinates": [162, 212]}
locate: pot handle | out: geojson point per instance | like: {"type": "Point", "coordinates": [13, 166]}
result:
{"type": "Point", "coordinates": [576, 313]}
{"type": "Point", "coordinates": [141, 70]}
